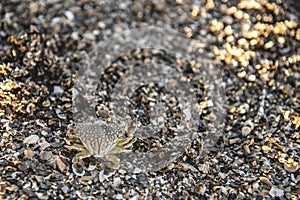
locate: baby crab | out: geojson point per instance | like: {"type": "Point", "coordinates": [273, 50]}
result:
{"type": "Point", "coordinates": [102, 140]}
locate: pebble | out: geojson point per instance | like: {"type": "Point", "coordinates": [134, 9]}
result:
{"type": "Point", "coordinates": [291, 166]}
{"type": "Point", "coordinates": [246, 130]}
{"type": "Point", "coordinates": [57, 90]}
{"type": "Point", "coordinates": [69, 15]}
{"type": "Point", "coordinates": [276, 192]}
{"type": "Point", "coordinates": [65, 189]}
{"type": "Point", "coordinates": [29, 153]}
{"type": "Point", "coordinates": [32, 139]}
{"type": "Point", "coordinates": [137, 170]}
{"type": "Point", "coordinates": [46, 155]}
{"type": "Point", "coordinates": [117, 181]}
{"type": "Point", "coordinates": [252, 78]}
{"type": "Point", "coordinates": [57, 163]}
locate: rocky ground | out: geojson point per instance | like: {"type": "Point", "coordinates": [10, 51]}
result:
{"type": "Point", "coordinates": [256, 45]}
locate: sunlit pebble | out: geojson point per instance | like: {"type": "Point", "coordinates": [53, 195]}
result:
{"type": "Point", "coordinates": [230, 38]}
{"type": "Point", "coordinates": [246, 27]}
{"type": "Point", "coordinates": [276, 192]}
{"type": "Point", "coordinates": [266, 149]}
{"type": "Point", "coordinates": [281, 40]}
{"type": "Point", "coordinates": [297, 35]}
{"type": "Point", "coordinates": [265, 180]}
{"type": "Point", "coordinates": [250, 54]}
{"type": "Point", "coordinates": [249, 4]}
{"type": "Point", "coordinates": [243, 42]}
{"type": "Point", "coordinates": [246, 17]}
{"type": "Point", "coordinates": [262, 71]}
{"type": "Point", "coordinates": [232, 109]}
{"type": "Point", "coordinates": [268, 18]}
{"type": "Point", "coordinates": [271, 82]}
{"type": "Point", "coordinates": [69, 15]}
{"type": "Point", "coordinates": [29, 153]}
{"type": "Point", "coordinates": [253, 34]}
{"type": "Point", "coordinates": [195, 11]}
{"type": "Point", "coordinates": [265, 77]}
{"type": "Point", "coordinates": [32, 139]}
{"type": "Point", "coordinates": [290, 24]}
{"type": "Point", "coordinates": [269, 45]}
{"type": "Point", "coordinates": [209, 5]}
{"type": "Point", "coordinates": [253, 42]}
{"type": "Point", "coordinates": [228, 30]}
{"type": "Point", "coordinates": [238, 14]}
{"type": "Point", "coordinates": [241, 74]}
{"type": "Point", "coordinates": [189, 34]}
{"type": "Point", "coordinates": [216, 26]}
{"type": "Point", "coordinates": [235, 51]}
{"type": "Point", "coordinates": [291, 166]}
{"type": "Point", "coordinates": [286, 114]}
{"type": "Point", "coordinates": [171, 166]}
{"type": "Point", "coordinates": [252, 78]}
{"type": "Point", "coordinates": [229, 61]}
{"type": "Point", "coordinates": [261, 27]}
{"type": "Point", "coordinates": [231, 10]}
{"type": "Point", "coordinates": [246, 130]}
{"type": "Point", "coordinates": [279, 28]}
{"type": "Point", "coordinates": [200, 189]}
{"type": "Point", "coordinates": [234, 63]}
{"type": "Point", "coordinates": [243, 61]}
{"type": "Point", "coordinates": [46, 103]}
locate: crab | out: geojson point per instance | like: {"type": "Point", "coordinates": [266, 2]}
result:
{"type": "Point", "coordinates": [100, 139]}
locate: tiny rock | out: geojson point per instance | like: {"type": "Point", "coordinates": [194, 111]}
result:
{"type": "Point", "coordinates": [32, 139]}
{"type": "Point", "coordinates": [276, 192]}
{"type": "Point", "coordinates": [29, 153]}
{"type": "Point", "coordinates": [290, 165]}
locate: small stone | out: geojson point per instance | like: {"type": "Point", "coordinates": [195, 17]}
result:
{"type": "Point", "coordinates": [216, 26]}
{"type": "Point", "coordinates": [276, 192]}
{"type": "Point", "coordinates": [65, 189]}
{"type": "Point", "coordinates": [69, 15]}
{"type": "Point", "coordinates": [119, 196]}
{"type": "Point", "coordinates": [29, 153]}
{"type": "Point", "coordinates": [57, 90]}
{"type": "Point", "coordinates": [186, 167]}
{"type": "Point", "coordinates": [32, 139]}
{"type": "Point", "coordinates": [102, 177]}
{"type": "Point", "coordinates": [266, 149]}
{"type": "Point", "coordinates": [290, 165]}
{"type": "Point", "coordinates": [246, 130]}
{"type": "Point", "coordinates": [171, 166]}
{"type": "Point", "coordinates": [241, 74]}
{"type": "Point", "coordinates": [200, 189]}
{"type": "Point", "coordinates": [45, 155]}
{"type": "Point", "coordinates": [86, 178]}
{"type": "Point", "coordinates": [286, 115]}
{"type": "Point", "coordinates": [117, 181]}
{"type": "Point", "coordinates": [137, 170]}
{"type": "Point", "coordinates": [234, 140]}
{"type": "Point", "coordinates": [228, 30]}
{"type": "Point", "coordinates": [269, 45]}
{"type": "Point", "coordinates": [252, 78]}
{"type": "Point", "coordinates": [57, 163]}
{"type": "Point", "coordinates": [43, 144]}
{"type": "Point", "coordinates": [265, 180]}
{"type": "Point", "coordinates": [232, 109]}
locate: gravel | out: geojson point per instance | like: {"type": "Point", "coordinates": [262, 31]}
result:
{"type": "Point", "coordinates": [254, 46]}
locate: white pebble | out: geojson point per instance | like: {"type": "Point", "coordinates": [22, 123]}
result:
{"type": "Point", "coordinates": [276, 192]}
{"type": "Point", "coordinates": [57, 90]}
{"type": "Point", "coordinates": [32, 139]}
{"type": "Point", "coordinates": [69, 15]}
